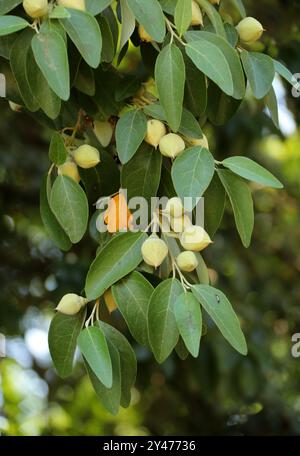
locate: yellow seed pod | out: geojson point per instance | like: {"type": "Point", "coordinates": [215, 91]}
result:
{"type": "Point", "coordinates": [171, 145]}
{"type": "Point", "coordinates": [195, 238]}
{"type": "Point", "coordinates": [103, 132]}
{"type": "Point", "coordinates": [69, 168]}
{"type": "Point", "coordinates": [174, 207]}
{"type": "Point", "coordinates": [75, 4]}
{"type": "Point", "coordinates": [179, 224]}
{"type": "Point", "coordinates": [36, 8]}
{"type": "Point", "coordinates": [197, 18]}
{"type": "Point", "coordinates": [71, 303]}
{"type": "Point", "coordinates": [144, 35]}
{"type": "Point", "coordinates": [198, 142]}
{"type": "Point", "coordinates": [187, 261]}
{"type": "Point", "coordinates": [109, 301]}
{"type": "Point", "coordinates": [154, 251]}
{"type": "Point", "coordinates": [14, 106]}
{"type": "Point", "coordinates": [249, 30]}
{"type": "Point", "coordinates": [155, 131]}
{"type": "Point", "coordinates": [86, 156]}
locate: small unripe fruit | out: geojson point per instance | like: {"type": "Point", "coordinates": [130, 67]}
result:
{"type": "Point", "coordinates": [195, 238]}
{"type": "Point", "coordinates": [154, 251]}
{"type": "Point", "coordinates": [155, 131]}
{"type": "Point", "coordinates": [179, 224]}
{"type": "Point", "coordinates": [187, 261]}
{"type": "Point", "coordinates": [198, 142]}
{"type": "Point", "coordinates": [174, 207]}
{"type": "Point", "coordinates": [71, 303]}
{"type": "Point", "coordinates": [86, 156]}
{"type": "Point", "coordinates": [75, 4]}
{"type": "Point", "coordinates": [197, 18]}
{"type": "Point", "coordinates": [144, 35]}
{"type": "Point", "coordinates": [109, 301]}
{"type": "Point", "coordinates": [171, 145]}
{"type": "Point", "coordinates": [14, 106]}
{"type": "Point", "coordinates": [249, 30]}
{"type": "Point", "coordinates": [69, 168]}
{"type": "Point", "coordinates": [35, 8]}
{"type": "Point", "coordinates": [103, 132]}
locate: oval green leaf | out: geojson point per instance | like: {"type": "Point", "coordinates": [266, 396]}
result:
{"type": "Point", "coordinates": [11, 24]}
{"type": "Point", "coordinates": [242, 204]}
{"type": "Point", "coordinates": [170, 80]}
{"type": "Point", "coordinates": [130, 132]}
{"type": "Point", "coordinates": [132, 295]}
{"type": "Point", "coordinates": [163, 332]}
{"type": "Point", "coordinates": [252, 171]}
{"type": "Point", "coordinates": [189, 321]}
{"type": "Point", "coordinates": [93, 346]}
{"type": "Point", "coordinates": [117, 259]}
{"type": "Point", "coordinates": [220, 310]}
{"type": "Point", "coordinates": [70, 206]}
{"type": "Point", "coordinates": [150, 15]}
{"type": "Point", "coordinates": [84, 31]}
{"type": "Point", "coordinates": [260, 71]}
{"type": "Point", "coordinates": [62, 339]}
{"type": "Point", "coordinates": [192, 172]}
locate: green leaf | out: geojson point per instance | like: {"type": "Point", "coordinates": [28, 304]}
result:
{"type": "Point", "coordinates": [50, 53]}
{"type": "Point", "coordinates": [213, 16]}
{"type": "Point", "coordinates": [189, 321]}
{"type": "Point", "coordinates": [141, 175]}
{"type": "Point", "coordinates": [53, 228]}
{"type": "Point", "coordinates": [57, 150]}
{"type": "Point", "coordinates": [241, 201]}
{"type": "Point", "coordinates": [108, 45]}
{"type": "Point", "coordinates": [62, 338]}
{"type": "Point", "coordinates": [11, 24]}
{"type": "Point", "coordinates": [132, 295]}
{"type": "Point", "coordinates": [201, 270]}
{"type": "Point", "coordinates": [109, 397]}
{"type": "Point", "coordinates": [170, 80]}
{"type": "Point", "coordinates": [8, 5]}
{"type": "Point", "coordinates": [49, 102]}
{"type": "Point", "coordinates": [214, 205]}
{"type": "Point", "coordinates": [260, 71]}
{"type": "Point", "coordinates": [128, 23]}
{"type": "Point", "coordinates": [252, 171]}
{"type": "Point", "coordinates": [231, 56]}
{"type": "Point", "coordinates": [286, 74]}
{"type": "Point", "coordinates": [163, 332]}
{"type": "Point", "coordinates": [150, 15]}
{"type": "Point", "coordinates": [93, 346]}
{"type": "Point", "coordinates": [183, 15]}
{"type": "Point", "coordinates": [168, 6]}
{"type": "Point", "coordinates": [69, 205]}
{"type": "Point", "coordinates": [209, 58]}
{"type": "Point", "coordinates": [270, 101]}
{"type": "Point", "coordinates": [130, 132]}
{"type": "Point", "coordinates": [96, 6]}
{"type": "Point", "coordinates": [220, 310]}
{"type": "Point", "coordinates": [84, 31]}
{"type": "Point", "coordinates": [59, 12]}
{"type": "Point", "coordinates": [85, 80]}
{"type": "Point", "coordinates": [117, 259]}
{"type": "Point", "coordinates": [192, 172]}
{"type": "Point", "coordinates": [195, 88]}
{"type": "Point", "coordinates": [127, 359]}
{"type": "Point", "coordinates": [189, 126]}
{"type": "Point", "coordinates": [18, 62]}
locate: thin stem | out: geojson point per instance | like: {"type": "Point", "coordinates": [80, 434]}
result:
{"type": "Point", "coordinates": [170, 27]}
{"type": "Point", "coordinates": [91, 317]}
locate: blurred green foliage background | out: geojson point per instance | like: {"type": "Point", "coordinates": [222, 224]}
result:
{"type": "Point", "coordinates": [219, 393]}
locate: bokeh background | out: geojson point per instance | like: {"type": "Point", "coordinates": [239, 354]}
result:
{"type": "Point", "coordinates": [220, 393]}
